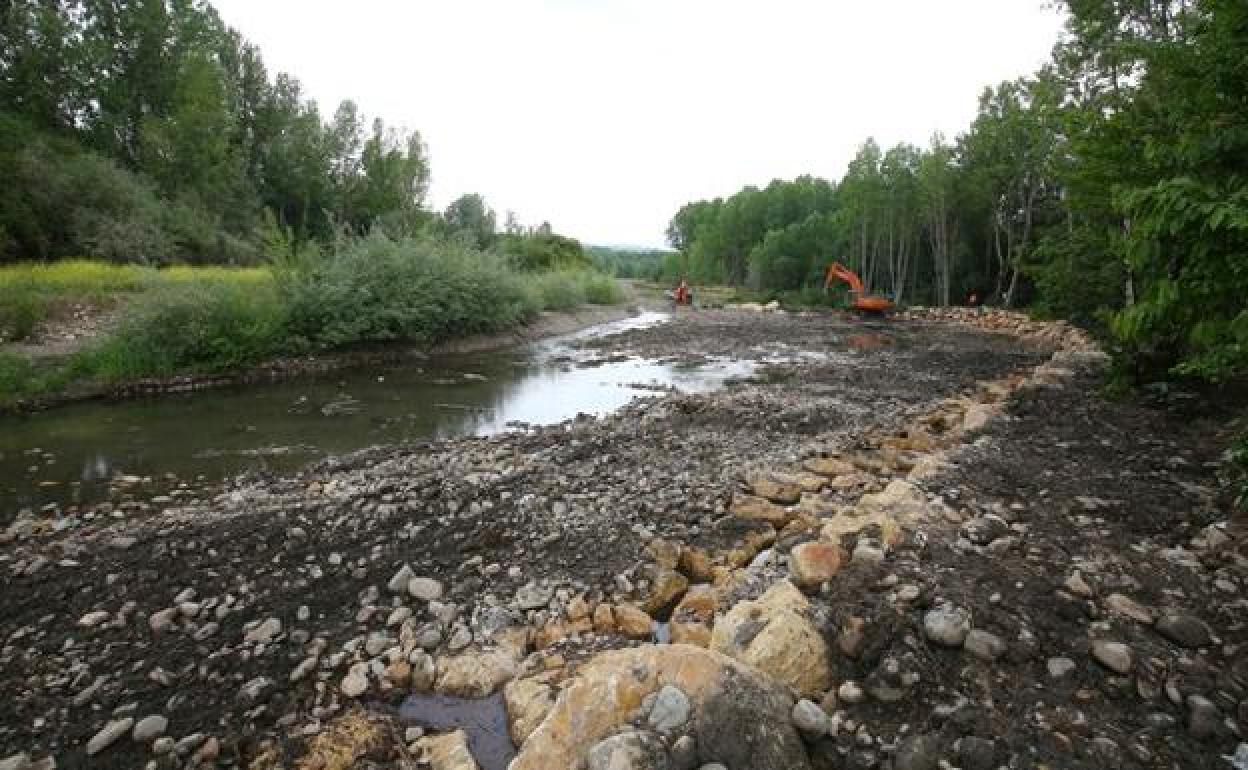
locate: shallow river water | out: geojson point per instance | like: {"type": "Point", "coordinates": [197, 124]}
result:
{"type": "Point", "coordinates": [71, 454]}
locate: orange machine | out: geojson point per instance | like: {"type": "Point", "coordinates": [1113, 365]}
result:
{"type": "Point", "coordinates": [863, 304]}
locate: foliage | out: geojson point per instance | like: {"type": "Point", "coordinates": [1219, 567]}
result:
{"type": "Point", "coordinates": [151, 132]}
{"type": "Point", "coordinates": [645, 265]}
{"type": "Point", "coordinates": [543, 251]}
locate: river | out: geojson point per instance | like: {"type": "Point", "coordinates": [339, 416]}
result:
{"type": "Point", "coordinates": [96, 451]}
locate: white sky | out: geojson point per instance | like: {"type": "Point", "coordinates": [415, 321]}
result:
{"type": "Point", "coordinates": [605, 116]}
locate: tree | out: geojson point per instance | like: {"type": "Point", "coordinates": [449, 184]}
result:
{"type": "Point", "coordinates": [468, 217]}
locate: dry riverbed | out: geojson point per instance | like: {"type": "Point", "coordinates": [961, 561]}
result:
{"type": "Point", "coordinates": [896, 545]}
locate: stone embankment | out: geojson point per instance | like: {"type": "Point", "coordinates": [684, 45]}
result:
{"type": "Point", "coordinates": [987, 565]}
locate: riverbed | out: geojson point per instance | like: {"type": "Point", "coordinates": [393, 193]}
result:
{"type": "Point", "coordinates": [165, 445]}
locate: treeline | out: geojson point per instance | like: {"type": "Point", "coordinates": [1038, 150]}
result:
{"type": "Point", "coordinates": [147, 131]}
{"type": "Point", "coordinates": [1111, 188]}
{"type": "Point", "coordinates": [639, 264]}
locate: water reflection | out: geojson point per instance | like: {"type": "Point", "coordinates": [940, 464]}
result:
{"type": "Point", "coordinates": [73, 452]}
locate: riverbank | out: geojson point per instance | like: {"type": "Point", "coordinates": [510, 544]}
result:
{"type": "Point", "coordinates": [88, 330]}
{"type": "Point", "coordinates": [997, 566]}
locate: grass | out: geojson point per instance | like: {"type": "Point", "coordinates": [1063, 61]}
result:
{"type": "Point", "coordinates": [187, 320]}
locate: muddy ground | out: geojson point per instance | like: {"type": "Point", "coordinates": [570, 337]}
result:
{"type": "Point", "coordinates": [201, 614]}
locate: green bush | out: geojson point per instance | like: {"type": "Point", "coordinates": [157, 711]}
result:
{"type": "Point", "coordinates": [17, 377]}
{"type": "Point", "coordinates": [21, 310]}
{"type": "Point", "coordinates": [601, 289]}
{"type": "Point", "coordinates": [195, 326]}
{"type": "Point", "coordinates": [558, 290]}
{"type": "Point", "coordinates": [376, 290]}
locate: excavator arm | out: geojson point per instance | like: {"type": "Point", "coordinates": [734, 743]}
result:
{"type": "Point", "coordinates": [864, 304]}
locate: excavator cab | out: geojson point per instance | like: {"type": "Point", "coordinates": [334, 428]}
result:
{"type": "Point", "coordinates": [859, 301]}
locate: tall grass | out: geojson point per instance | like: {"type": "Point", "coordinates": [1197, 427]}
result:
{"type": "Point", "coordinates": [367, 292]}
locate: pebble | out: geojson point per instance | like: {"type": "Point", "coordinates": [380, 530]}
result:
{"type": "Point", "coordinates": [92, 619]}
{"type": "Point", "coordinates": [671, 710]}
{"type": "Point", "coordinates": [1115, 656]}
{"type": "Point", "coordinates": [1060, 667]}
{"type": "Point", "coordinates": [1203, 717]}
{"type": "Point", "coordinates": [150, 728]}
{"type": "Point", "coordinates": [1184, 630]}
{"type": "Point", "coordinates": [533, 596]}
{"type": "Point", "coordinates": [810, 718]}
{"type": "Point", "coordinates": [424, 589]}
{"type": "Point", "coordinates": [1078, 586]}
{"type": "Point", "coordinates": [918, 752]}
{"type": "Point", "coordinates": [401, 580]}
{"type": "Point", "coordinates": [684, 753]}
{"type": "Point", "coordinates": [1125, 605]}
{"type": "Point", "coordinates": [15, 762]}
{"type": "Point", "coordinates": [850, 692]}
{"type": "Point", "coordinates": [265, 632]}
{"type": "Point", "coordinates": [163, 620]}
{"type": "Point", "coordinates": [355, 683]}
{"type": "Point", "coordinates": [947, 625]}
{"type": "Point", "coordinates": [163, 745]}
{"type": "Point", "coordinates": [108, 735]}
{"type": "Point", "coordinates": [983, 645]}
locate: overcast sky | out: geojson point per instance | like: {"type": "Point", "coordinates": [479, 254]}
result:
{"type": "Point", "coordinates": [605, 116]}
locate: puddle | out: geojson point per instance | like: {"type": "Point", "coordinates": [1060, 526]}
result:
{"type": "Point", "coordinates": [483, 720]}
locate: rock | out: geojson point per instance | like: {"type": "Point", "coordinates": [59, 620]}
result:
{"type": "Point", "coordinates": [900, 499]}
{"type": "Point", "coordinates": [776, 490]}
{"type": "Point", "coordinates": [1060, 667]}
{"type": "Point", "coordinates": [265, 632]}
{"type": "Point", "coordinates": [813, 564]}
{"type": "Point", "coordinates": [670, 711]}
{"type": "Point", "coordinates": [446, 752]}
{"type": "Point", "coordinates": [982, 530]}
{"type": "Point", "coordinates": [533, 596]}
{"type": "Point", "coordinates": [108, 735]}
{"type": "Point", "coordinates": [1203, 717]}
{"type": "Point", "coordinates": [163, 745]}
{"type": "Point", "coordinates": [475, 675]}
{"type": "Point", "coordinates": [947, 625]}
{"type": "Point", "coordinates": [1078, 586]}
{"type": "Point", "coordinates": [208, 752]}
{"type": "Point", "coordinates": [976, 753]}
{"type": "Point", "coordinates": [852, 637]}
{"type": "Point", "coordinates": [983, 645]}
{"type": "Point", "coordinates": [301, 671]}
{"type": "Point", "coordinates": [355, 683]}
{"type": "Point", "coordinates": [150, 728]}
{"type": "Point", "coordinates": [810, 718]}
{"type": "Point", "coordinates": [424, 589]}
{"type": "Point", "coordinates": [742, 719]}
{"type": "Point", "coordinates": [632, 750]}
{"type": "Point", "coordinates": [401, 580]}
{"type": "Point", "coordinates": [666, 553]}
{"type": "Point", "coordinates": [90, 620]}
{"type": "Point", "coordinates": [683, 754]}
{"type": "Point", "coordinates": [461, 637]}
{"type": "Point", "coordinates": [666, 588]}
{"type": "Point", "coordinates": [774, 635]}
{"type": "Point", "coordinates": [851, 693]}
{"type": "Point", "coordinates": [163, 620]}
{"type": "Point", "coordinates": [829, 466]}
{"type": "Point", "coordinates": [16, 762]}
{"type": "Point", "coordinates": [977, 417]}
{"type": "Point", "coordinates": [528, 701]}
{"type": "Point", "coordinates": [1124, 605]}
{"type": "Point", "coordinates": [399, 673]}
{"type": "Point", "coordinates": [577, 609]}
{"type": "Point", "coordinates": [1115, 656]}
{"type": "Point", "coordinates": [918, 752]}
{"type": "Point", "coordinates": [633, 622]}
{"type": "Point", "coordinates": [424, 671]}
{"type": "Point", "coordinates": [1185, 630]}
{"type": "Point", "coordinates": [604, 619]}
{"type": "Point", "coordinates": [753, 508]}
{"type": "Point", "coordinates": [255, 690]}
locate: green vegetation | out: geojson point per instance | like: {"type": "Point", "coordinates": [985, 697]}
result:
{"type": "Point", "coordinates": [1109, 188]}
{"type": "Point", "coordinates": [366, 292]}
{"type": "Point", "coordinates": [645, 265]}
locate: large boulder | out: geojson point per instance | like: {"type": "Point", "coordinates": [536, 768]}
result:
{"type": "Point", "coordinates": [528, 702]}
{"type": "Point", "coordinates": [774, 635]}
{"type": "Point", "coordinates": [446, 752]}
{"type": "Point", "coordinates": [475, 674]}
{"type": "Point", "coordinates": [757, 509]}
{"type": "Point", "coordinates": [741, 718]}
{"type": "Point", "coordinates": [815, 563]}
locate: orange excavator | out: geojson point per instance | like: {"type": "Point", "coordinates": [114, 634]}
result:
{"type": "Point", "coordinates": [863, 304]}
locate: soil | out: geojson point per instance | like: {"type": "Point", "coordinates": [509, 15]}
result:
{"type": "Point", "coordinates": [1108, 487]}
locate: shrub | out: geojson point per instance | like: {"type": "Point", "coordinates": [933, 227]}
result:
{"type": "Point", "coordinates": [558, 290]}
{"type": "Point", "coordinates": [21, 310]}
{"type": "Point", "coordinates": [196, 326]}
{"type": "Point", "coordinates": [375, 290]}
{"type": "Point", "coordinates": [601, 289]}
